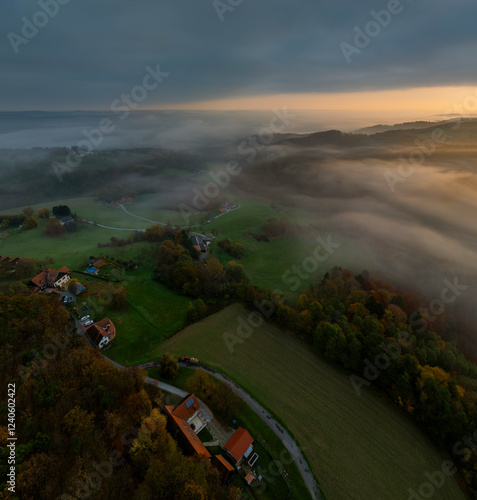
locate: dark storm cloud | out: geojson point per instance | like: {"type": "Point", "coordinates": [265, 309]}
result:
{"type": "Point", "coordinates": [90, 52]}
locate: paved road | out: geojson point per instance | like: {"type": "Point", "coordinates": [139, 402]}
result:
{"type": "Point", "coordinates": [285, 438]}
{"type": "Point", "coordinates": [206, 411]}
{"type": "Point", "coordinates": [282, 434]}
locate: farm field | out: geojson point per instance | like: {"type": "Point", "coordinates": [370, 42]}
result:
{"type": "Point", "coordinates": [154, 314]}
{"type": "Point", "coordinates": [70, 249]}
{"type": "Point", "coordinates": [265, 263]}
{"type": "Point", "coordinates": [358, 447]}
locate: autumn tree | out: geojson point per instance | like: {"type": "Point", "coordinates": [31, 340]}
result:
{"type": "Point", "coordinates": [169, 366]}
{"type": "Point", "coordinates": [28, 211]}
{"type": "Point", "coordinates": [55, 229]}
{"type": "Point", "coordinates": [43, 213]}
{"type": "Point", "coordinates": [30, 222]}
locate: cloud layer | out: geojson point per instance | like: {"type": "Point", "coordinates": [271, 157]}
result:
{"type": "Point", "coordinates": [91, 52]}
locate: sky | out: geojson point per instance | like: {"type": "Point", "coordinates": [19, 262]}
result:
{"type": "Point", "coordinates": [410, 56]}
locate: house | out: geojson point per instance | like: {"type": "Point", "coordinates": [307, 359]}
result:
{"type": "Point", "coordinates": [239, 446]}
{"type": "Point", "coordinates": [68, 222]}
{"type": "Point", "coordinates": [185, 421]}
{"type": "Point", "coordinates": [50, 278]}
{"type": "Point", "coordinates": [198, 244]}
{"type": "Point", "coordinates": [102, 332]}
{"type": "Point", "coordinates": [225, 469]}
{"type": "Point", "coordinates": [63, 277]}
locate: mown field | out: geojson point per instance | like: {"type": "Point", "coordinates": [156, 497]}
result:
{"type": "Point", "coordinates": [358, 447]}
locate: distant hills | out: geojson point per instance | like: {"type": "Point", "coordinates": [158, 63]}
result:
{"type": "Point", "coordinates": [462, 132]}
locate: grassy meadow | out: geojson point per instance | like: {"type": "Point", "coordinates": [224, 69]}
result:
{"type": "Point", "coordinates": [358, 447]}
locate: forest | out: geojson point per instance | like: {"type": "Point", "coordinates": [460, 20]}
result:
{"type": "Point", "coordinates": [85, 429]}
{"type": "Point", "coordinates": [369, 327]}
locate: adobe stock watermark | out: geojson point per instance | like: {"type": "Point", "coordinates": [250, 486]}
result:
{"type": "Point", "coordinates": [391, 351]}
{"type": "Point", "coordinates": [436, 480]}
{"type": "Point", "coordinates": [426, 147]}
{"type": "Point", "coordinates": [122, 108]}
{"type": "Point", "coordinates": [30, 28]}
{"type": "Point", "coordinates": [223, 7]}
{"type": "Point", "coordinates": [272, 473]}
{"type": "Point", "coordinates": [363, 37]}
{"type": "Point", "coordinates": [250, 148]}
{"type": "Point", "coordinates": [51, 350]}
{"type": "Point", "coordinates": [266, 308]}
{"type": "Point", "coordinates": [94, 479]}
{"type": "Point", "coordinates": [372, 370]}
{"type": "Point", "coordinates": [437, 306]}
{"type": "Point", "coordinates": [310, 264]}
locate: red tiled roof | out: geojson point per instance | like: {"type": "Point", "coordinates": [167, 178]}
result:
{"type": "Point", "coordinates": [187, 431]}
{"type": "Point", "coordinates": [239, 443]}
{"type": "Point", "coordinates": [40, 279]}
{"type": "Point", "coordinates": [182, 411]}
{"type": "Point", "coordinates": [64, 270]}
{"type": "Point", "coordinates": [225, 463]}
{"type": "Point", "coordinates": [105, 327]}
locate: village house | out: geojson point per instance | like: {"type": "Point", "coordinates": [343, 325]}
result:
{"type": "Point", "coordinates": [68, 222]}
{"type": "Point", "coordinates": [13, 261]}
{"type": "Point", "coordinates": [185, 421]}
{"type": "Point", "coordinates": [50, 278]}
{"type": "Point", "coordinates": [198, 243]}
{"type": "Point", "coordinates": [239, 447]}
{"type": "Point", "coordinates": [102, 332]}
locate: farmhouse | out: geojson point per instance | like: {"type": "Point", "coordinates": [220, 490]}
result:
{"type": "Point", "coordinates": [13, 261]}
{"type": "Point", "coordinates": [68, 221]}
{"type": "Point", "coordinates": [102, 332]}
{"type": "Point", "coordinates": [185, 421]}
{"type": "Point", "coordinates": [50, 278]}
{"type": "Point", "coordinates": [239, 446]}
{"type": "Point", "coordinates": [198, 243]}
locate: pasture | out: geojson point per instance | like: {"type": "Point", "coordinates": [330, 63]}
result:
{"type": "Point", "coordinates": [358, 447]}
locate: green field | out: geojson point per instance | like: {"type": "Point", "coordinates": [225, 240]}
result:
{"type": "Point", "coordinates": [265, 263]}
{"type": "Point", "coordinates": [155, 312]}
{"type": "Point", "coordinates": [90, 209]}
{"type": "Point", "coordinates": [358, 447]}
{"type": "Point", "coordinates": [70, 249]}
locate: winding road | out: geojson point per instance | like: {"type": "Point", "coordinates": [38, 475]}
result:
{"type": "Point", "coordinates": [156, 222]}
{"type": "Point", "coordinates": [282, 434]}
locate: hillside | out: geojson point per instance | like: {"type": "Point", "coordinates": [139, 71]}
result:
{"type": "Point", "coordinates": [358, 447]}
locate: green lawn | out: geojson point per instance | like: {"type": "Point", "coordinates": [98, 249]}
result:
{"type": "Point", "coordinates": [358, 447]}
